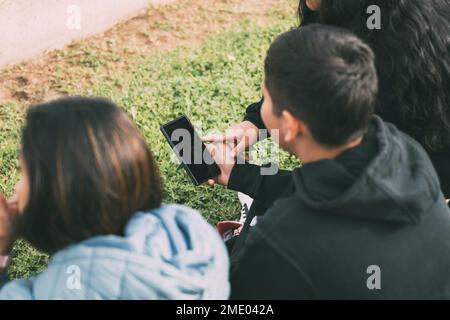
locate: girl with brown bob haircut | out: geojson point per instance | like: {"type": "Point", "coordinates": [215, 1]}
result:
{"type": "Point", "coordinates": [90, 194]}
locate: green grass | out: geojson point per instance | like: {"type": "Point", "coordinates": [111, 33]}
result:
{"type": "Point", "coordinates": [212, 84]}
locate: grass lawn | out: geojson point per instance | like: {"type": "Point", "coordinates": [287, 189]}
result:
{"type": "Point", "coordinates": [211, 81]}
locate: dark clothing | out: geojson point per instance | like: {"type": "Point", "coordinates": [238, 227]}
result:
{"type": "Point", "coordinates": [378, 204]}
{"type": "Point", "coordinates": [441, 162]}
{"type": "Point", "coordinates": [440, 159]}
{"type": "Point", "coordinates": [4, 279]}
{"type": "Point", "coordinates": [253, 114]}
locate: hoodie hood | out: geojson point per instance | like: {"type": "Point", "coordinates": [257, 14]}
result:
{"type": "Point", "coordinates": [166, 253]}
{"type": "Point", "coordinates": [389, 175]}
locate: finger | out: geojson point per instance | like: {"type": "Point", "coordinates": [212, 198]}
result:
{"type": "Point", "coordinates": [211, 149]}
{"type": "Point", "coordinates": [239, 148]}
{"type": "Point", "coordinates": [227, 136]}
{"type": "Point", "coordinates": [216, 137]}
{"type": "Point", "coordinates": [211, 182]}
{"type": "Point", "coordinates": [242, 158]}
{"type": "Point", "coordinates": [213, 137]}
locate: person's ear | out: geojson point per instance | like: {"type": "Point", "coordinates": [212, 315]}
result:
{"type": "Point", "coordinates": [294, 127]}
{"type": "Point", "coordinates": [313, 5]}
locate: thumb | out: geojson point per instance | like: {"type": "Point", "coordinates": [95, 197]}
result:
{"type": "Point", "coordinates": [212, 138]}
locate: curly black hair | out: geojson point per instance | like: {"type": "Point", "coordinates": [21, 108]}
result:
{"type": "Point", "coordinates": [412, 51]}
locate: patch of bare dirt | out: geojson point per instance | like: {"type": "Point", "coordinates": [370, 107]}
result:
{"type": "Point", "coordinates": [182, 23]}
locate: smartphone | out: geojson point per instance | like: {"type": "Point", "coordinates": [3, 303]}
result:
{"type": "Point", "coordinates": [190, 149]}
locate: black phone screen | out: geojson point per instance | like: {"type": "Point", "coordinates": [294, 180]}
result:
{"type": "Point", "coordinates": [190, 149]}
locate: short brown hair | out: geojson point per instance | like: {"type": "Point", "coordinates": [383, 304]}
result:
{"type": "Point", "coordinates": [89, 169]}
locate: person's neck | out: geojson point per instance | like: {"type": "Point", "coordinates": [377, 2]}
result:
{"type": "Point", "coordinates": [315, 152]}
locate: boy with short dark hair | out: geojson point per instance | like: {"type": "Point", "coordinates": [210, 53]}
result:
{"type": "Point", "coordinates": [364, 217]}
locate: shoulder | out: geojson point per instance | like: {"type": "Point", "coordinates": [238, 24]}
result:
{"type": "Point", "coordinates": [17, 290]}
{"type": "Point", "coordinates": [172, 218]}
{"type": "Point", "coordinates": [290, 228]}
{"type": "Point", "coordinates": [173, 210]}
{"type": "Point", "coordinates": [279, 227]}
{"type": "Point", "coordinates": [286, 211]}
{"type": "Point", "coordinates": [55, 282]}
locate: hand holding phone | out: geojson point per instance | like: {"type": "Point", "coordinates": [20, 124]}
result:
{"type": "Point", "coordinates": [190, 149]}
{"type": "Point", "coordinates": [222, 153]}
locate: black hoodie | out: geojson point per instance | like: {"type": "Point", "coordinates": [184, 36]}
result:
{"type": "Point", "coordinates": [377, 206]}
{"type": "Point", "coordinates": [440, 158]}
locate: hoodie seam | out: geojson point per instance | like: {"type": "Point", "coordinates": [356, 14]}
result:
{"type": "Point", "coordinates": [403, 208]}
{"type": "Point", "coordinates": [384, 145]}
{"type": "Point", "coordinates": [371, 176]}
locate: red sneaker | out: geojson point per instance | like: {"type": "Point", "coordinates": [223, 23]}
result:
{"type": "Point", "coordinates": [229, 229]}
